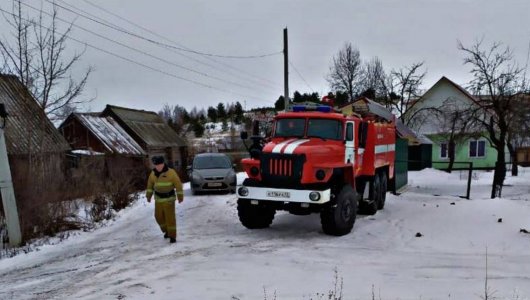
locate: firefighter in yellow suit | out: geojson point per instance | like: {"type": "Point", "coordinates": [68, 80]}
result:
{"type": "Point", "coordinates": [162, 182]}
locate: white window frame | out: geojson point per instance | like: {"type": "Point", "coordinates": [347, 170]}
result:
{"type": "Point", "coordinates": [478, 142]}
{"type": "Point", "coordinates": [446, 150]}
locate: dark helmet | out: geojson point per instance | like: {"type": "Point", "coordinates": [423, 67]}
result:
{"type": "Point", "coordinates": [157, 160]}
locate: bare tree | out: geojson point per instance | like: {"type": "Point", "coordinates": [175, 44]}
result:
{"type": "Point", "coordinates": [403, 87]}
{"type": "Point", "coordinates": [497, 80]}
{"type": "Point", "coordinates": [456, 123]}
{"type": "Point", "coordinates": [345, 73]}
{"type": "Point", "coordinates": [374, 80]}
{"type": "Point", "coordinates": [166, 112]}
{"type": "Point", "coordinates": [175, 116]}
{"type": "Point", "coordinates": [36, 53]}
{"type": "Point", "coordinates": [519, 132]}
{"type": "Point", "coordinates": [3, 66]}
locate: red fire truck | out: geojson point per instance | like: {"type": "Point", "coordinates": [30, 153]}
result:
{"type": "Point", "coordinates": [318, 161]}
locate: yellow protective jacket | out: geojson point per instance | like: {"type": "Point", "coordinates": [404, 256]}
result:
{"type": "Point", "coordinates": [163, 184]}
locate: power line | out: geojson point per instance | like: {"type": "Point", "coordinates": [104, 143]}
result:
{"type": "Point", "coordinates": [238, 71]}
{"type": "Point", "coordinates": [300, 75]}
{"type": "Point", "coordinates": [139, 63]}
{"type": "Point", "coordinates": [238, 75]}
{"type": "Point", "coordinates": [140, 51]}
{"type": "Point", "coordinates": [167, 45]}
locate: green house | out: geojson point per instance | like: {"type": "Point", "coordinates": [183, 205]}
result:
{"type": "Point", "coordinates": [432, 118]}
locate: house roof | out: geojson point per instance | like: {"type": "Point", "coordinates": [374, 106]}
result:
{"type": "Point", "coordinates": [146, 126]}
{"type": "Point", "coordinates": [109, 133]}
{"type": "Point", "coordinates": [403, 131]}
{"type": "Point", "coordinates": [458, 87]}
{"type": "Point", "coordinates": [474, 100]}
{"type": "Point", "coordinates": [28, 130]}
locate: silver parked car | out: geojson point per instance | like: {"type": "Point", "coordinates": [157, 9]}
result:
{"type": "Point", "coordinates": [212, 172]}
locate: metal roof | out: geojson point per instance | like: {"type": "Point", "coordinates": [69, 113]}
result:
{"type": "Point", "coordinates": [147, 126]}
{"type": "Point", "coordinates": [110, 133]}
{"type": "Point", "coordinates": [28, 130]}
{"type": "Point", "coordinates": [365, 106]}
{"type": "Point", "coordinates": [405, 132]}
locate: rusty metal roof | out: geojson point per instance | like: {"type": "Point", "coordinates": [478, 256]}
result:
{"type": "Point", "coordinates": [28, 130]}
{"type": "Point", "coordinates": [109, 133]}
{"type": "Point", "coordinates": [146, 127]}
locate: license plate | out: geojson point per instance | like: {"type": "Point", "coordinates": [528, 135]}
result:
{"type": "Point", "coordinates": [214, 184]}
{"type": "Point", "coordinates": [276, 194]}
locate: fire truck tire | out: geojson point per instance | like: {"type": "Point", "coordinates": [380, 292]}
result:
{"type": "Point", "coordinates": [369, 206]}
{"type": "Point", "coordinates": [254, 216]}
{"type": "Point", "coordinates": [384, 189]}
{"type": "Point", "coordinates": [339, 220]}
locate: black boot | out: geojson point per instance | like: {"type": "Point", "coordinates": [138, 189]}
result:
{"type": "Point", "coordinates": [172, 240]}
{"type": "Point", "coordinates": [165, 235]}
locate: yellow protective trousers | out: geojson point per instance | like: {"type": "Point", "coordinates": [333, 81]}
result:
{"type": "Point", "coordinates": [165, 216]}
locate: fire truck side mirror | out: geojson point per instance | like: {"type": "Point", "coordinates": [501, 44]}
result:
{"type": "Point", "coordinates": [244, 135]}
{"type": "Point", "coordinates": [255, 127]}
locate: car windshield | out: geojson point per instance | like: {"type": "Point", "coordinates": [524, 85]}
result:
{"type": "Point", "coordinates": [325, 129]}
{"type": "Point", "coordinates": [289, 128]}
{"type": "Point", "coordinates": [211, 162]}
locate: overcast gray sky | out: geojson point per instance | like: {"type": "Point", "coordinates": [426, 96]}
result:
{"type": "Point", "coordinates": [398, 32]}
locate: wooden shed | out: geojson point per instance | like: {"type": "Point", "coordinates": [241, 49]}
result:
{"type": "Point", "coordinates": [152, 133]}
{"type": "Point", "coordinates": [101, 141]}
{"type": "Point", "coordinates": [36, 150]}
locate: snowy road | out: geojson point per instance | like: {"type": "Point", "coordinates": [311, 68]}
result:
{"type": "Point", "coordinates": [216, 258]}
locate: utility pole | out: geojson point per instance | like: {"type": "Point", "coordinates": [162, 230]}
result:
{"type": "Point", "coordinates": [6, 188]}
{"type": "Point", "coordinates": [285, 69]}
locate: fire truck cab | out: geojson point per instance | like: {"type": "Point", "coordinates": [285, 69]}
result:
{"type": "Point", "coordinates": [318, 161]}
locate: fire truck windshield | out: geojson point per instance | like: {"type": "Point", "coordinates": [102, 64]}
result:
{"type": "Point", "coordinates": [319, 128]}
{"type": "Point", "coordinates": [324, 129]}
{"type": "Point", "coordinates": [290, 128]}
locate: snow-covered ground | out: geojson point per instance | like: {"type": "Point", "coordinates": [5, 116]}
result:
{"type": "Point", "coordinates": [216, 258]}
{"type": "Point", "coordinates": [215, 138]}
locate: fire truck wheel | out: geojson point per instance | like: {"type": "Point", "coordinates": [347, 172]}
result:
{"type": "Point", "coordinates": [369, 206]}
{"type": "Point", "coordinates": [339, 220]}
{"type": "Point", "coordinates": [384, 189]}
{"type": "Point", "coordinates": [254, 216]}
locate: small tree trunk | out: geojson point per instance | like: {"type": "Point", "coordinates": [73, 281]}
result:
{"type": "Point", "coordinates": [515, 169]}
{"type": "Point", "coordinates": [513, 155]}
{"type": "Point", "coordinates": [451, 152]}
{"type": "Point", "coordinates": [500, 173]}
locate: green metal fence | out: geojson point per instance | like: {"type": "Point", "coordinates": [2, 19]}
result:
{"type": "Point", "coordinates": [401, 165]}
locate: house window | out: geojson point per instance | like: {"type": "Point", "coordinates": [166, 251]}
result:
{"type": "Point", "coordinates": [477, 148]}
{"type": "Point", "coordinates": [444, 150]}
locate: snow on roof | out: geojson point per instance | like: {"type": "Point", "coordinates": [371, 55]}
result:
{"type": "Point", "coordinates": [86, 152]}
{"type": "Point", "coordinates": [111, 134]}
{"type": "Point", "coordinates": [147, 126]}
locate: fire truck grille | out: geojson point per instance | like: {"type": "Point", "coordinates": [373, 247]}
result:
{"type": "Point", "coordinates": [282, 169]}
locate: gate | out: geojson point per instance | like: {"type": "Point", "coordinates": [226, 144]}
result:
{"type": "Point", "coordinates": [401, 164]}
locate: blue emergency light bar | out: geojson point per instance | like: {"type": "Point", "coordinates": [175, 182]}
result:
{"type": "Point", "coordinates": [319, 108]}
